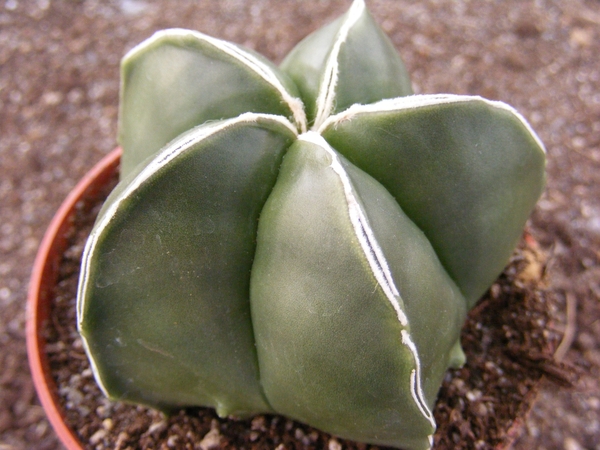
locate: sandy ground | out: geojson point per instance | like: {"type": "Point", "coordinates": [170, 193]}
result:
{"type": "Point", "coordinates": [59, 81]}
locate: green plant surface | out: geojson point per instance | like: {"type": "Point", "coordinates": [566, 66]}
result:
{"type": "Point", "coordinates": [303, 240]}
{"type": "Point", "coordinates": [182, 244]}
{"type": "Point", "coordinates": [468, 200]}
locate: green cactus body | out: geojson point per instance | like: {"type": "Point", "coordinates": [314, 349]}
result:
{"type": "Point", "coordinates": [303, 240]}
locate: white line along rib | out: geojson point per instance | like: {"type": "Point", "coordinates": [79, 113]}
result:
{"type": "Point", "coordinates": [364, 233]}
{"type": "Point", "coordinates": [175, 149]}
{"type": "Point", "coordinates": [252, 62]}
{"type": "Point", "coordinates": [378, 264]}
{"type": "Point", "coordinates": [420, 101]}
{"type": "Point", "coordinates": [416, 389]}
{"type": "Point", "coordinates": [327, 91]}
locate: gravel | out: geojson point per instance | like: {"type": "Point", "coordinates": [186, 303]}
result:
{"type": "Point", "coordinates": [59, 84]}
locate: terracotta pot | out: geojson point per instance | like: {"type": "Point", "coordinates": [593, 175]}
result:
{"type": "Point", "coordinates": [41, 294]}
{"type": "Point", "coordinates": [43, 280]}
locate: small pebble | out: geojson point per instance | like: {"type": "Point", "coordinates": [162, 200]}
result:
{"type": "Point", "coordinates": [480, 409]}
{"type": "Point", "coordinates": [481, 445]}
{"type": "Point", "coordinates": [107, 424]}
{"type": "Point", "coordinates": [334, 444]}
{"type": "Point", "coordinates": [157, 427]}
{"type": "Point", "coordinates": [122, 438]}
{"type": "Point", "coordinates": [254, 435]}
{"type": "Point", "coordinates": [299, 434]}
{"type": "Point", "coordinates": [258, 423]}
{"type": "Point", "coordinates": [473, 395]}
{"type": "Point", "coordinates": [172, 442]}
{"type": "Point", "coordinates": [97, 436]}
{"type": "Point", "coordinates": [572, 444]}
{"type": "Point", "coordinates": [212, 439]}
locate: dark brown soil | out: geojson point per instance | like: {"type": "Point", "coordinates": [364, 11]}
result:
{"type": "Point", "coordinates": [509, 339]}
{"type": "Point", "coordinates": [59, 84]}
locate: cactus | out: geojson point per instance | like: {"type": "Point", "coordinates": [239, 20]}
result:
{"type": "Point", "coordinates": [304, 239]}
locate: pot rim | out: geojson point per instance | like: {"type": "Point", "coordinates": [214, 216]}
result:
{"type": "Point", "coordinates": [43, 276]}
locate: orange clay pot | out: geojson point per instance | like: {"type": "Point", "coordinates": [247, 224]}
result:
{"type": "Point", "coordinates": [43, 280]}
